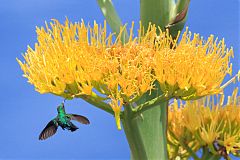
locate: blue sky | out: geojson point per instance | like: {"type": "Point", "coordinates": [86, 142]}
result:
{"type": "Point", "coordinates": [24, 112]}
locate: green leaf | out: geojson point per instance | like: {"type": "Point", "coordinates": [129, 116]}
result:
{"type": "Point", "coordinates": [157, 12]}
{"type": "Point", "coordinates": [112, 18]}
{"type": "Point", "coordinates": [181, 4]}
{"type": "Point", "coordinates": [178, 21]}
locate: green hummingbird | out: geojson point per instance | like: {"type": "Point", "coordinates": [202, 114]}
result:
{"type": "Point", "coordinates": [64, 121]}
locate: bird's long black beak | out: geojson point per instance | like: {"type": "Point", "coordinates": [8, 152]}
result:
{"type": "Point", "coordinates": [63, 103]}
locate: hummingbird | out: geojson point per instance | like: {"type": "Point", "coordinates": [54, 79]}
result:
{"type": "Point", "coordinates": [64, 121]}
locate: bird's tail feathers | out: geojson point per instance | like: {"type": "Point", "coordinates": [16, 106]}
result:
{"type": "Point", "coordinates": [73, 127]}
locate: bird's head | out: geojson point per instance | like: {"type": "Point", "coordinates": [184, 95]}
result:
{"type": "Point", "coordinates": [60, 107]}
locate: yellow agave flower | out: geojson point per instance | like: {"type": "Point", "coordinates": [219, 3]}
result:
{"type": "Point", "coordinates": [203, 122]}
{"type": "Point", "coordinates": [74, 59]}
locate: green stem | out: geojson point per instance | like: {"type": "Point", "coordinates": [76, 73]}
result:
{"type": "Point", "coordinates": [163, 131]}
{"type": "Point", "coordinates": [149, 104]}
{"type": "Point", "coordinates": [189, 150]}
{"type": "Point", "coordinates": [205, 153]}
{"type": "Point", "coordinates": [158, 12]}
{"type": "Point", "coordinates": [134, 137]}
{"type": "Point", "coordinates": [112, 18]}
{"type": "Point", "coordinates": [97, 103]}
{"type": "Point", "coordinates": [208, 155]}
{"type": "Point", "coordinates": [147, 134]}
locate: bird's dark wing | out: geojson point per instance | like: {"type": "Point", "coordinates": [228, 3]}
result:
{"type": "Point", "coordinates": [49, 130]}
{"type": "Point", "coordinates": [79, 118]}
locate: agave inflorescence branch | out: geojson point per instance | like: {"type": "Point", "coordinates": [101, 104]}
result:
{"type": "Point", "coordinates": [133, 77]}
{"type": "Point", "coordinates": [208, 124]}
{"type": "Point", "coordinates": [66, 64]}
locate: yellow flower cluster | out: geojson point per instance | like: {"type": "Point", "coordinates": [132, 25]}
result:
{"type": "Point", "coordinates": [204, 123]}
{"type": "Point", "coordinates": [75, 59]}
{"type": "Point", "coordinates": [194, 68]}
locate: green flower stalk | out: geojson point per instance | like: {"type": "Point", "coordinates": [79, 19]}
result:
{"type": "Point", "coordinates": [132, 77]}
